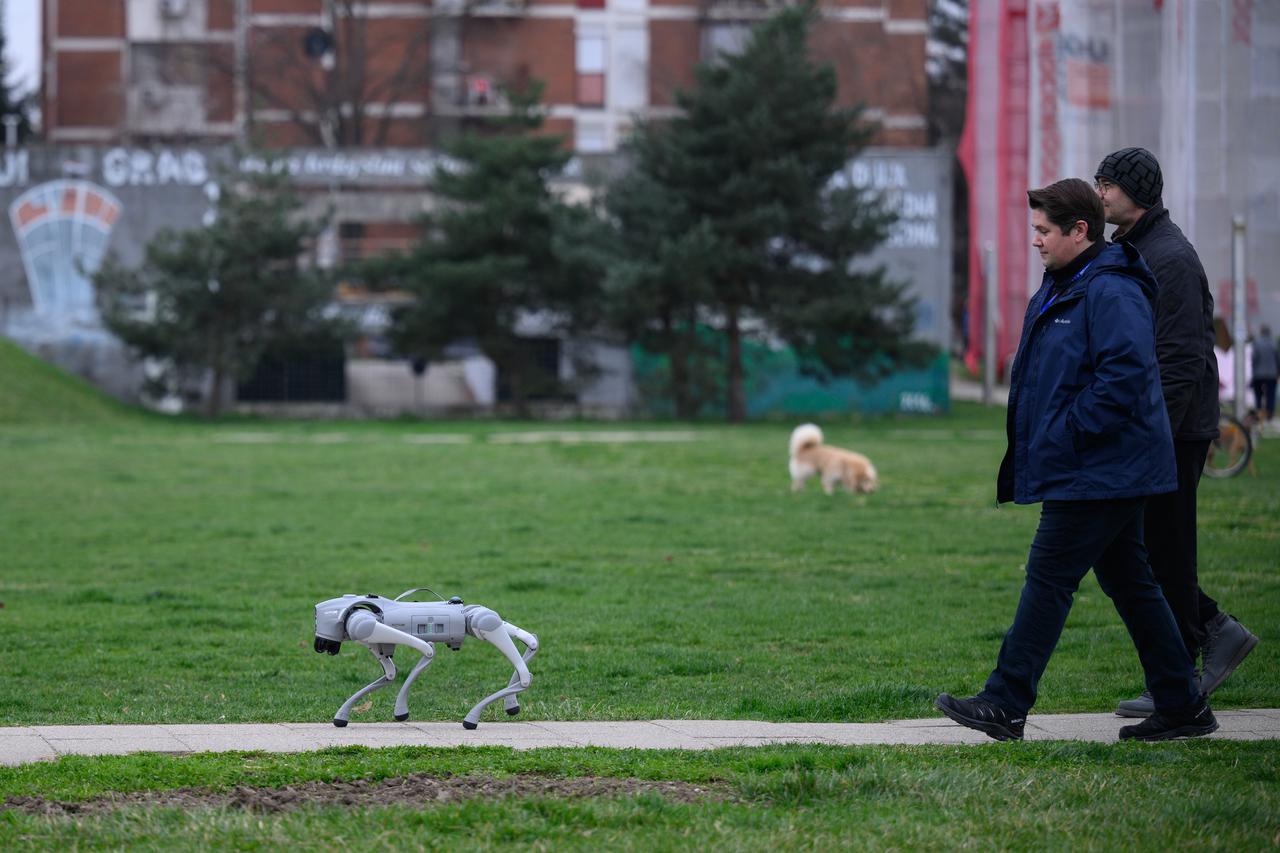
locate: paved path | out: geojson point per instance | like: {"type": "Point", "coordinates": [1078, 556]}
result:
{"type": "Point", "coordinates": [22, 744]}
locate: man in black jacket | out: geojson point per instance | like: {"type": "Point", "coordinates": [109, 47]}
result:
{"type": "Point", "coordinates": [1130, 185]}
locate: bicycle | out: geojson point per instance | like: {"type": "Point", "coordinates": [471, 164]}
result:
{"type": "Point", "coordinates": [1230, 452]}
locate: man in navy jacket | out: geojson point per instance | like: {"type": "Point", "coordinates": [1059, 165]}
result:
{"type": "Point", "coordinates": [1089, 438]}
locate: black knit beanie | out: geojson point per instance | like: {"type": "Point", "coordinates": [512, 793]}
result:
{"type": "Point", "coordinates": [1137, 172]}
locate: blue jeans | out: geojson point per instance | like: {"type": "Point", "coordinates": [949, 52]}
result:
{"type": "Point", "coordinates": [1073, 537]}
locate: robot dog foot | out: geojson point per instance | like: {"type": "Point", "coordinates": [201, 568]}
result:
{"type": "Point", "coordinates": [467, 724]}
{"type": "Point", "coordinates": [339, 722]}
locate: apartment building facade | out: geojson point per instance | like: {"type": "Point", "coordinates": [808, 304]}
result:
{"type": "Point", "coordinates": [407, 73]}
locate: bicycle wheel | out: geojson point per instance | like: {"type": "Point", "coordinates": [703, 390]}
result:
{"type": "Point", "coordinates": [1230, 451]}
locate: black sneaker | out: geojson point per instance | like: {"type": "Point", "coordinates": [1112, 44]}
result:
{"type": "Point", "coordinates": [1160, 726]}
{"type": "Point", "coordinates": [976, 713]}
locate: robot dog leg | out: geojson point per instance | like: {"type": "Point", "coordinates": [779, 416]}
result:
{"type": "Point", "coordinates": [402, 698]}
{"type": "Point", "coordinates": [512, 702]}
{"type": "Point", "coordinates": [484, 624]}
{"type": "Point", "coordinates": [383, 654]}
{"type": "Point", "coordinates": [364, 627]}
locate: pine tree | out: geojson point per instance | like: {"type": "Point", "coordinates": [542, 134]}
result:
{"type": "Point", "coordinates": [657, 282]}
{"type": "Point", "coordinates": [494, 253]}
{"type": "Point", "coordinates": [221, 294]}
{"type": "Point", "coordinates": [752, 160]}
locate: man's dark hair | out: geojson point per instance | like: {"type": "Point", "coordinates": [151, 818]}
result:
{"type": "Point", "coordinates": [1067, 202]}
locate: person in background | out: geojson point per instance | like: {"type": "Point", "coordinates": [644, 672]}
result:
{"type": "Point", "coordinates": [1130, 184]}
{"type": "Point", "coordinates": [1266, 367]}
{"type": "Point", "coordinates": [1090, 439]}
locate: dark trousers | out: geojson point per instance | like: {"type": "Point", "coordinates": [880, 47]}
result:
{"type": "Point", "coordinates": [1171, 547]}
{"type": "Point", "coordinates": [1264, 394]}
{"type": "Point", "coordinates": [1072, 537]}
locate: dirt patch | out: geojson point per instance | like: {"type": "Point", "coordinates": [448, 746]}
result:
{"type": "Point", "coordinates": [415, 790]}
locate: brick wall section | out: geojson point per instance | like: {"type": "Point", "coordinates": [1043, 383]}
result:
{"type": "Point", "coordinates": [219, 88]}
{"type": "Point", "coordinates": [89, 90]}
{"type": "Point", "coordinates": [398, 63]}
{"type": "Point", "coordinates": [912, 9]}
{"type": "Point", "coordinates": [516, 50]}
{"type": "Point", "coordinates": [222, 15]}
{"type": "Point", "coordinates": [902, 137]}
{"type": "Point", "coordinates": [280, 77]}
{"type": "Point", "coordinates": [273, 134]}
{"type": "Point", "coordinates": [872, 68]}
{"type": "Point", "coordinates": [674, 48]}
{"type": "Point", "coordinates": [561, 127]}
{"type": "Point", "coordinates": [260, 7]}
{"type": "Point", "coordinates": [396, 132]}
{"type": "Point", "coordinates": [91, 18]}
{"type": "Point", "coordinates": [406, 232]}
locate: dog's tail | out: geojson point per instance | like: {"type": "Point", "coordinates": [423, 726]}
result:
{"type": "Point", "coordinates": [804, 437]}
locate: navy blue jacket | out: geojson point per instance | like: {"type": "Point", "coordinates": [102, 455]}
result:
{"type": "Point", "coordinates": [1086, 415]}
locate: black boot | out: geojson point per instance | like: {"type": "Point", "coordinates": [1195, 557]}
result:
{"type": "Point", "coordinates": [1197, 722]}
{"type": "Point", "coordinates": [1229, 643]}
{"type": "Point", "coordinates": [988, 718]}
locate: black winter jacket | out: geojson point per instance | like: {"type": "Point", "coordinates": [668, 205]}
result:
{"type": "Point", "coordinates": [1184, 325]}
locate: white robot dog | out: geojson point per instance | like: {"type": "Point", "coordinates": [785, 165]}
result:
{"type": "Point", "coordinates": [381, 624]}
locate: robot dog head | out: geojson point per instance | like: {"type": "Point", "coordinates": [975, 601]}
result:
{"type": "Point", "coordinates": [331, 620]}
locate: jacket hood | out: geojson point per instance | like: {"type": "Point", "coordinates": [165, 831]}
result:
{"type": "Point", "coordinates": [1124, 259]}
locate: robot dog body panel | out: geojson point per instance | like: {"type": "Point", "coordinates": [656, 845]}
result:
{"type": "Point", "coordinates": [433, 622]}
{"type": "Point", "coordinates": [381, 624]}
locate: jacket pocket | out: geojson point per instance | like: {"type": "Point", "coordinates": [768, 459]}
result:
{"type": "Point", "coordinates": [1052, 455]}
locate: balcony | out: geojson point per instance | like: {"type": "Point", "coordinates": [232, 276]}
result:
{"type": "Point", "coordinates": [158, 110]}
{"type": "Point", "coordinates": [481, 8]}
{"type": "Point", "coordinates": [469, 95]}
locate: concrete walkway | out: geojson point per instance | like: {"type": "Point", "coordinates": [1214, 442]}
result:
{"type": "Point", "coordinates": [22, 744]}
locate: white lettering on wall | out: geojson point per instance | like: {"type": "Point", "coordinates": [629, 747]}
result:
{"type": "Point", "coordinates": [140, 168]}
{"type": "Point", "coordinates": [878, 174]}
{"type": "Point", "coordinates": [313, 166]}
{"type": "Point", "coordinates": [917, 210]}
{"type": "Point", "coordinates": [917, 224]}
{"type": "Point", "coordinates": [908, 234]}
{"type": "Point", "coordinates": [915, 401]}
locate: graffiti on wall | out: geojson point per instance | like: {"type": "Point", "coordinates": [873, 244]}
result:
{"type": "Point", "coordinates": [63, 228]}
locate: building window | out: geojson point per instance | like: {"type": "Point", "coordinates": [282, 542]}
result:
{"type": "Point", "coordinates": [591, 70]}
{"type": "Point", "coordinates": [589, 137]}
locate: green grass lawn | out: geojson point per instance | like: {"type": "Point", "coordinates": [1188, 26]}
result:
{"type": "Point", "coordinates": [1034, 796]}
{"type": "Point", "coordinates": [165, 571]}
{"type": "Point", "coordinates": [157, 572]}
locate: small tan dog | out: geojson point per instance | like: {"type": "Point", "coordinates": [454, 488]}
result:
{"type": "Point", "coordinates": [809, 456]}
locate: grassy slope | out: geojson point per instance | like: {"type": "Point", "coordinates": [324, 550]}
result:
{"type": "Point", "coordinates": [33, 391]}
